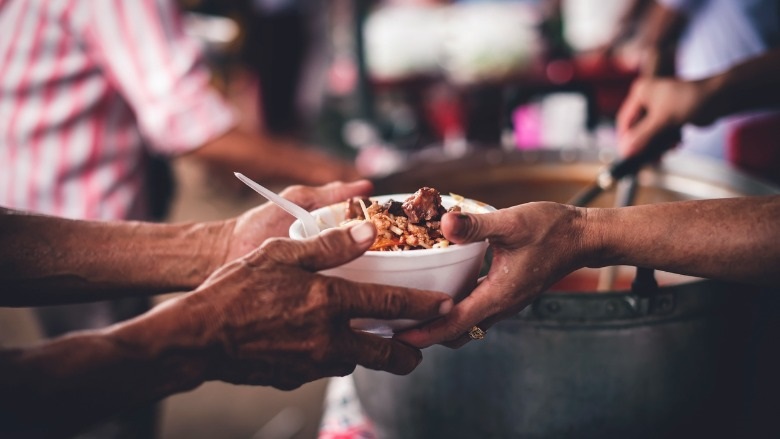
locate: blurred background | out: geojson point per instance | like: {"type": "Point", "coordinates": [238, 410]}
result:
{"type": "Point", "coordinates": [386, 84]}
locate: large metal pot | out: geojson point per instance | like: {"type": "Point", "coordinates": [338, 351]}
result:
{"type": "Point", "coordinates": [679, 363]}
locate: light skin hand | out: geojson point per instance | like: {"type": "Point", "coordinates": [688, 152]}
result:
{"type": "Point", "coordinates": [533, 245]}
{"type": "Point", "coordinates": [657, 105]}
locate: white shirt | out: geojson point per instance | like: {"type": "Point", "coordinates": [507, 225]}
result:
{"type": "Point", "coordinates": [720, 34]}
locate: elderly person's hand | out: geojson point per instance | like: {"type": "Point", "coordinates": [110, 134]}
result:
{"type": "Point", "coordinates": [251, 229]}
{"type": "Point", "coordinates": [533, 245]}
{"type": "Point", "coordinates": [269, 319]}
{"type": "Point", "coordinates": [661, 105]}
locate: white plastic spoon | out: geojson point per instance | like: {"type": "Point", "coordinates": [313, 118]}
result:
{"type": "Point", "coordinates": [310, 227]}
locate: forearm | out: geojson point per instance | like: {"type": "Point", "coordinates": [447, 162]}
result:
{"type": "Point", "coordinates": [49, 260]}
{"type": "Point", "coordinates": [730, 239]}
{"type": "Point", "coordinates": [64, 385]}
{"type": "Point", "coordinates": [272, 159]}
{"type": "Point", "coordinates": [658, 36]}
{"type": "Point", "coordinates": [752, 84]}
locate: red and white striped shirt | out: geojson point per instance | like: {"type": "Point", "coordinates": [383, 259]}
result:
{"type": "Point", "coordinates": [88, 88]}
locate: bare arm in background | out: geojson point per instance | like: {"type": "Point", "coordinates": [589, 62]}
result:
{"type": "Point", "coordinates": [168, 86]}
{"type": "Point", "coordinates": [659, 34]}
{"type": "Point", "coordinates": [537, 244]}
{"type": "Point", "coordinates": [271, 159]}
{"type": "Point", "coordinates": [659, 104]}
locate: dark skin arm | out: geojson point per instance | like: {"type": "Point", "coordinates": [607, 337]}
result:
{"type": "Point", "coordinates": [537, 244]}
{"type": "Point", "coordinates": [264, 319]}
{"type": "Point", "coordinates": [46, 260]}
{"type": "Point", "coordinates": [270, 159]}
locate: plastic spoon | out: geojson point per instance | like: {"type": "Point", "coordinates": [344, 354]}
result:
{"type": "Point", "coordinates": [310, 227]}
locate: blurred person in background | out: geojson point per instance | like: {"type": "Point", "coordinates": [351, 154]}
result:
{"type": "Point", "coordinates": [279, 44]}
{"type": "Point", "coordinates": [89, 91]}
{"type": "Point", "coordinates": [256, 313]}
{"type": "Point", "coordinates": [280, 35]}
{"type": "Point", "coordinates": [691, 40]}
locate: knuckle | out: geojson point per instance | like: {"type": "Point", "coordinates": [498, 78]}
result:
{"type": "Point", "coordinates": [322, 302]}
{"type": "Point", "coordinates": [395, 303]}
{"type": "Point", "coordinates": [274, 246]}
{"type": "Point", "coordinates": [299, 194]}
{"type": "Point", "coordinates": [332, 242]}
{"type": "Point", "coordinates": [283, 250]}
{"type": "Point", "coordinates": [383, 354]}
{"type": "Point", "coordinates": [293, 191]}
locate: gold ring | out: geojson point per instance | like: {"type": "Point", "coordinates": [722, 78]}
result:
{"type": "Point", "coordinates": [476, 333]}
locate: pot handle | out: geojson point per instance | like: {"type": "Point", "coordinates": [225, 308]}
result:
{"type": "Point", "coordinates": [644, 283]}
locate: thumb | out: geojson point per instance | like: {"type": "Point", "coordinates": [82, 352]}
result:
{"type": "Point", "coordinates": [329, 249]}
{"type": "Point", "coordinates": [462, 228]}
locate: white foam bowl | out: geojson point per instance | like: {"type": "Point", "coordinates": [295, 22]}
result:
{"type": "Point", "coordinates": [452, 270]}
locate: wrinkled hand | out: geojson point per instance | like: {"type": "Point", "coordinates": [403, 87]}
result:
{"type": "Point", "coordinates": [534, 245]}
{"type": "Point", "coordinates": [269, 319]}
{"type": "Point", "coordinates": [657, 105]}
{"type": "Point", "coordinates": [252, 228]}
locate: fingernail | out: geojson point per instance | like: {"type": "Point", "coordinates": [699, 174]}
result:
{"type": "Point", "coordinates": [362, 232]}
{"type": "Point", "coordinates": [445, 307]}
{"type": "Point", "coordinates": [460, 225]}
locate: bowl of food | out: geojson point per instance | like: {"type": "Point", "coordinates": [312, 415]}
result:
{"type": "Point", "coordinates": [409, 249]}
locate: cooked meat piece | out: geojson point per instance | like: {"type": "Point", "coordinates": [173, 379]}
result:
{"type": "Point", "coordinates": [413, 224]}
{"type": "Point", "coordinates": [423, 205]}
{"type": "Point", "coordinates": [354, 210]}
{"type": "Point", "coordinates": [393, 207]}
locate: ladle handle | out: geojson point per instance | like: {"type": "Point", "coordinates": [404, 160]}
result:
{"type": "Point", "coordinates": [627, 166]}
{"type": "Point", "coordinates": [624, 196]}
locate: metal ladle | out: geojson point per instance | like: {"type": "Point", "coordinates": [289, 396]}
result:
{"type": "Point", "coordinates": [627, 169]}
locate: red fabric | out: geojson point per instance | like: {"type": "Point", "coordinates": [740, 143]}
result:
{"type": "Point", "coordinates": [754, 147]}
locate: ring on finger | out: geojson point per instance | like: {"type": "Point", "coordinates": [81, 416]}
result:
{"type": "Point", "coordinates": [476, 333]}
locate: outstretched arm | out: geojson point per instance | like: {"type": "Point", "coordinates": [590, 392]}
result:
{"type": "Point", "coordinates": [47, 260]}
{"type": "Point", "coordinates": [537, 244]}
{"type": "Point", "coordinates": [733, 239]}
